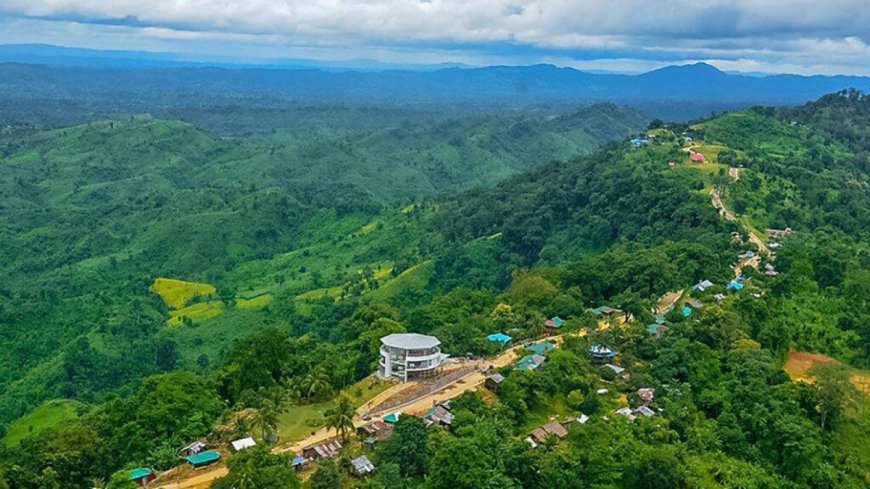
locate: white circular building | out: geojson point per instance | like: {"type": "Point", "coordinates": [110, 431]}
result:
{"type": "Point", "coordinates": [409, 355]}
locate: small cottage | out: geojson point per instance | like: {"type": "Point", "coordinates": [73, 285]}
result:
{"type": "Point", "coordinates": [493, 382]}
{"type": "Point", "coordinates": [326, 449]}
{"type": "Point", "coordinates": [361, 466]}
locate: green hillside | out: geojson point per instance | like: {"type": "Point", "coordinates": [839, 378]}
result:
{"type": "Point", "coordinates": [461, 229]}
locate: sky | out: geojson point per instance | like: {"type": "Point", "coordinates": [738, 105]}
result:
{"type": "Point", "coordinates": [763, 36]}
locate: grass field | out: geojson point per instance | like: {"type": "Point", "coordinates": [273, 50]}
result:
{"type": "Point", "coordinates": [200, 311]}
{"type": "Point", "coordinates": [49, 415]}
{"type": "Point", "coordinates": [301, 420]}
{"type": "Point", "coordinates": [177, 293]}
{"type": "Point", "coordinates": [799, 363]}
{"type": "Point", "coordinates": [254, 302]}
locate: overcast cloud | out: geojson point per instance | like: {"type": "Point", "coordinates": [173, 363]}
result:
{"type": "Point", "coordinates": [798, 36]}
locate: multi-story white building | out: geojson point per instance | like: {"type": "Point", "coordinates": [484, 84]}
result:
{"type": "Point", "coordinates": [409, 355]}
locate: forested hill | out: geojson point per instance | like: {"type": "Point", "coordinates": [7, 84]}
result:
{"type": "Point", "coordinates": [186, 282]}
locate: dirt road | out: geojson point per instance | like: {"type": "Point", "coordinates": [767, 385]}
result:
{"type": "Point", "coordinates": [716, 198]}
{"type": "Point", "coordinates": [201, 480]}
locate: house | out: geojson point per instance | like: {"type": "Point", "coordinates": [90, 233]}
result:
{"type": "Point", "coordinates": [672, 164]}
{"type": "Point", "coordinates": [735, 285]}
{"type": "Point", "coordinates": [530, 362]}
{"type": "Point", "coordinates": [639, 142]}
{"type": "Point", "coordinates": [377, 430]}
{"type": "Point", "coordinates": [604, 312]}
{"type": "Point", "coordinates": [361, 466]}
{"type": "Point", "coordinates": [601, 392]}
{"type": "Point", "coordinates": [773, 246]}
{"type": "Point", "coordinates": [601, 353]}
{"type": "Point", "coordinates": [142, 476]}
{"type": "Point", "coordinates": [656, 329]}
{"type": "Point", "coordinates": [498, 338]}
{"type": "Point", "coordinates": [326, 449]}
{"type": "Point", "coordinates": [719, 297]}
{"type": "Point", "coordinates": [392, 418]}
{"type": "Point", "coordinates": [541, 348]}
{"type": "Point", "coordinates": [493, 382]}
{"type": "Point", "coordinates": [627, 412]}
{"type": "Point", "coordinates": [192, 449]}
{"type": "Point", "coordinates": [778, 233]}
{"type": "Point", "coordinates": [242, 444]}
{"type": "Point", "coordinates": [299, 462]}
{"type": "Point", "coordinates": [770, 271]}
{"type": "Point", "coordinates": [203, 459]}
{"type": "Point", "coordinates": [615, 368]}
{"type": "Point", "coordinates": [554, 323]}
{"type": "Point", "coordinates": [687, 311]}
{"type": "Point", "coordinates": [646, 394]}
{"type": "Point", "coordinates": [644, 411]}
{"type": "Point", "coordinates": [702, 286]}
{"type": "Point", "coordinates": [583, 419]}
{"type": "Point", "coordinates": [696, 304]}
{"type": "Point", "coordinates": [554, 428]}
{"type": "Point", "coordinates": [438, 415]}
{"type": "Point", "coordinates": [409, 355]}
{"type": "Point", "coordinates": [697, 157]}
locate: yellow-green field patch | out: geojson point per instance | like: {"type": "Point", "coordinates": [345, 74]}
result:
{"type": "Point", "coordinates": [254, 302]}
{"type": "Point", "coordinates": [48, 415]}
{"type": "Point", "coordinates": [197, 312]}
{"type": "Point", "coordinates": [177, 293]}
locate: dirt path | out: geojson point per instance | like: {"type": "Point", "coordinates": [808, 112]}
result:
{"type": "Point", "coordinates": [668, 300]}
{"type": "Point", "coordinates": [734, 173]}
{"type": "Point", "coordinates": [201, 480]}
{"type": "Point", "coordinates": [716, 198]}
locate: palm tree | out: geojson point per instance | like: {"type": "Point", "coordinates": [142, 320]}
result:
{"type": "Point", "coordinates": [315, 383]}
{"type": "Point", "coordinates": [340, 417]}
{"type": "Point", "coordinates": [266, 419]}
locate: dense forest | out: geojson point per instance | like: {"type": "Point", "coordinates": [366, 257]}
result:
{"type": "Point", "coordinates": [292, 254]}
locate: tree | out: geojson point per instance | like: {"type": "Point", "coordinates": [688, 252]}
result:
{"type": "Point", "coordinates": [266, 419]}
{"type": "Point", "coordinates": [340, 417]}
{"type": "Point", "coordinates": [835, 391]}
{"type": "Point", "coordinates": [655, 468]}
{"type": "Point", "coordinates": [326, 476]}
{"type": "Point", "coordinates": [407, 446]}
{"type": "Point", "coordinates": [315, 384]}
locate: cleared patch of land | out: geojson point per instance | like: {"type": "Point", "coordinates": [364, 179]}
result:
{"type": "Point", "coordinates": [177, 293]}
{"type": "Point", "coordinates": [49, 415]}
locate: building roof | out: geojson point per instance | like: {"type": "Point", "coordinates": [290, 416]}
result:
{"type": "Point", "coordinates": [616, 368]}
{"type": "Point", "coordinates": [438, 414]}
{"type": "Point", "coordinates": [140, 472]}
{"type": "Point", "coordinates": [327, 449]}
{"type": "Point", "coordinates": [702, 285]}
{"type": "Point", "coordinates": [243, 443]}
{"type": "Point", "coordinates": [735, 285]}
{"type": "Point", "coordinates": [696, 303]}
{"type": "Point", "coordinates": [497, 378]}
{"type": "Point", "coordinates": [498, 338]}
{"type": "Point", "coordinates": [205, 457]}
{"type": "Point", "coordinates": [194, 447]}
{"type": "Point", "coordinates": [530, 362]}
{"type": "Point", "coordinates": [556, 428]}
{"type": "Point", "coordinates": [554, 322]}
{"type": "Point", "coordinates": [298, 460]}
{"type": "Point", "coordinates": [601, 351]}
{"type": "Point", "coordinates": [392, 417]}
{"type": "Point", "coordinates": [598, 311]}
{"type": "Point", "coordinates": [540, 348]}
{"type": "Point", "coordinates": [646, 394]}
{"type": "Point", "coordinates": [362, 465]}
{"type": "Point", "coordinates": [410, 341]}
{"type": "Point", "coordinates": [645, 411]}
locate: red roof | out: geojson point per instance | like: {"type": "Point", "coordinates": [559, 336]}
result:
{"type": "Point", "coordinates": [697, 157]}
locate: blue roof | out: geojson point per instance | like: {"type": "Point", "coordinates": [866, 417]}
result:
{"type": "Point", "coordinates": [140, 473]}
{"type": "Point", "coordinates": [687, 311]}
{"type": "Point", "coordinates": [557, 321]}
{"type": "Point", "coordinates": [601, 351]}
{"type": "Point", "coordinates": [499, 337]}
{"type": "Point", "coordinates": [298, 459]}
{"type": "Point", "coordinates": [735, 285]}
{"type": "Point", "coordinates": [204, 457]}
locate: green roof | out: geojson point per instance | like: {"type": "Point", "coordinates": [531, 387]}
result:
{"type": "Point", "coordinates": [557, 321]}
{"type": "Point", "coordinates": [541, 348]}
{"type": "Point", "coordinates": [205, 457]}
{"type": "Point", "coordinates": [140, 473]}
{"type": "Point", "coordinates": [527, 363]}
{"type": "Point", "coordinates": [392, 417]}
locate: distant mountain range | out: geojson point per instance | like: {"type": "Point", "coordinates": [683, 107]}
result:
{"type": "Point", "coordinates": [674, 92]}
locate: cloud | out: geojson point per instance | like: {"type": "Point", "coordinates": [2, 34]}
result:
{"type": "Point", "coordinates": [798, 34]}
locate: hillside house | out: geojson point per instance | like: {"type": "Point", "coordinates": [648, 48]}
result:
{"type": "Point", "coordinates": [778, 233]}
{"type": "Point", "coordinates": [142, 476]}
{"type": "Point", "coordinates": [601, 353]}
{"type": "Point", "coordinates": [192, 449]}
{"type": "Point", "coordinates": [530, 362]}
{"type": "Point", "coordinates": [541, 348]}
{"type": "Point", "coordinates": [377, 430]}
{"type": "Point", "coordinates": [326, 449]}
{"type": "Point", "coordinates": [407, 356]}
{"type": "Point", "coordinates": [615, 368]}
{"type": "Point", "coordinates": [299, 462]}
{"type": "Point", "coordinates": [697, 157]}
{"type": "Point", "coordinates": [438, 415]}
{"type": "Point", "coordinates": [719, 297]}
{"type": "Point", "coordinates": [361, 466]}
{"type": "Point", "coordinates": [696, 304]}
{"type": "Point", "coordinates": [702, 286]}
{"type": "Point", "coordinates": [646, 394]}
{"type": "Point", "coordinates": [241, 444]}
{"type": "Point", "coordinates": [493, 382]}
{"type": "Point", "coordinates": [540, 435]}
{"type": "Point", "coordinates": [554, 323]}
{"type": "Point", "coordinates": [498, 338]}
{"type": "Point", "coordinates": [604, 312]}
{"type": "Point", "coordinates": [203, 459]}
